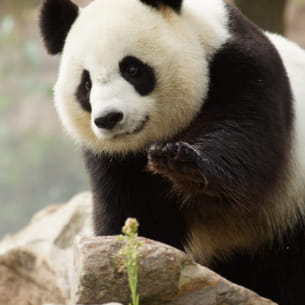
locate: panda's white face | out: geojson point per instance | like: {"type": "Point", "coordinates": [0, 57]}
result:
{"type": "Point", "coordinates": [130, 76]}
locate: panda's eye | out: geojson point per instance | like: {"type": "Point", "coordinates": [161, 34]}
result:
{"type": "Point", "coordinates": [88, 85]}
{"type": "Point", "coordinates": [83, 91]}
{"type": "Point", "coordinates": [138, 73]}
{"type": "Point", "coordinates": [131, 67]}
{"type": "Point", "coordinates": [132, 70]}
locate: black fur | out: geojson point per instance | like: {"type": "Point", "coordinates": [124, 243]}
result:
{"type": "Point", "coordinates": [275, 272]}
{"type": "Point", "coordinates": [56, 19]}
{"type": "Point", "coordinates": [174, 4]}
{"type": "Point", "coordinates": [138, 74]}
{"type": "Point", "coordinates": [235, 150]}
{"type": "Point", "coordinates": [243, 130]}
{"type": "Point", "coordinates": [123, 188]}
{"type": "Point", "coordinates": [250, 106]}
{"type": "Point", "coordinates": [83, 91]}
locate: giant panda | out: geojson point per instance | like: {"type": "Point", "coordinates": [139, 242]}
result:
{"type": "Point", "coordinates": [192, 120]}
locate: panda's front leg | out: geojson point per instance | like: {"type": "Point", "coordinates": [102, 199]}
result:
{"type": "Point", "coordinates": [180, 162]}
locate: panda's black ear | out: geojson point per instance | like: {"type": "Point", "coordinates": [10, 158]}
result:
{"type": "Point", "coordinates": [174, 4]}
{"type": "Point", "coordinates": [56, 19]}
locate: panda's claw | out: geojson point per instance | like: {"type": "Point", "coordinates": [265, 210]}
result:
{"type": "Point", "coordinates": [170, 149]}
{"type": "Point", "coordinates": [173, 156]}
{"type": "Point", "coordinates": [186, 153]}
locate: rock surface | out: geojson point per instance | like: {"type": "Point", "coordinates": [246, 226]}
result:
{"type": "Point", "coordinates": [36, 267]}
{"type": "Point", "coordinates": [166, 276]}
{"type": "Point", "coordinates": [35, 264]}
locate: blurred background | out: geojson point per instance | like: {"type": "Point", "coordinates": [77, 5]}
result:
{"type": "Point", "coordinates": [39, 165]}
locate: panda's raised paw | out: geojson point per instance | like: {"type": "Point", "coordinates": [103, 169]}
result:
{"type": "Point", "coordinates": [169, 158]}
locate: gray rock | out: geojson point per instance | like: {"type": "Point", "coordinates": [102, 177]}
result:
{"type": "Point", "coordinates": [36, 267]}
{"type": "Point", "coordinates": [166, 276]}
{"type": "Point", "coordinates": [35, 264]}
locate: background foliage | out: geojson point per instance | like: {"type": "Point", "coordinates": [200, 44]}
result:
{"type": "Point", "coordinates": [38, 163]}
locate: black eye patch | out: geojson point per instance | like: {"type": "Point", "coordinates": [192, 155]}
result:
{"type": "Point", "coordinates": [138, 74]}
{"type": "Point", "coordinates": [83, 91]}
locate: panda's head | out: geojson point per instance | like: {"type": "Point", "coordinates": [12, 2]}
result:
{"type": "Point", "coordinates": [132, 72]}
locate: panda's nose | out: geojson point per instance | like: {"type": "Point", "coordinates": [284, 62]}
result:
{"type": "Point", "coordinates": [109, 120]}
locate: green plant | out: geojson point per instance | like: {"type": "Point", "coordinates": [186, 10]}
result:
{"type": "Point", "coordinates": [130, 256]}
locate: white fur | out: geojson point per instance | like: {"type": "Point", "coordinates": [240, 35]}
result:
{"type": "Point", "coordinates": [173, 45]}
{"type": "Point", "coordinates": [294, 60]}
{"type": "Point", "coordinates": [210, 18]}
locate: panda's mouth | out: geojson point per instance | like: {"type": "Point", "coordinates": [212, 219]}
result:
{"type": "Point", "coordinates": [140, 126]}
{"type": "Point", "coordinates": [136, 130]}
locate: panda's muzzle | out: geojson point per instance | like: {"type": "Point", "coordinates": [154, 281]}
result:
{"type": "Point", "coordinates": [113, 123]}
